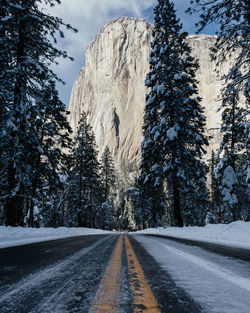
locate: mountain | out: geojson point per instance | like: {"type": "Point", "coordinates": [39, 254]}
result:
{"type": "Point", "coordinates": [110, 87]}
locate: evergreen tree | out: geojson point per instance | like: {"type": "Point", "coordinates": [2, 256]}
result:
{"type": "Point", "coordinates": [109, 186]}
{"type": "Point", "coordinates": [175, 121]}
{"type": "Point", "coordinates": [243, 187]}
{"type": "Point", "coordinates": [129, 221]}
{"type": "Point", "coordinates": [120, 201]}
{"type": "Point", "coordinates": [214, 184]}
{"type": "Point", "coordinates": [150, 207]}
{"type": "Point", "coordinates": [216, 210]}
{"type": "Point", "coordinates": [227, 186]}
{"type": "Point", "coordinates": [150, 181]}
{"type": "Point", "coordinates": [128, 218]}
{"type": "Point", "coordinates": [33, 118]}
{"type": "Point", "coordinates": [232, 148]}
{"type": "Point", "coordinates": [85, 191]}
{"type": "Point", "coordinates": [247, 167]}
{"type": "Point", "coordinates": [108, 176]}
{"type": "Point", "coordinates": [233, 18]}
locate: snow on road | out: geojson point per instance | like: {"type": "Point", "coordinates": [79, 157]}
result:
{"type": "Point", "coordinates": [236, 234]}
{"type": "Point", "coordinates": [55, 270]}
{"type": "Point", "coordinates": [51, 288]}
{"type": "Point", "coordinates": [220, 284]}
{"type": "Point", "coordinates": [15, 236]}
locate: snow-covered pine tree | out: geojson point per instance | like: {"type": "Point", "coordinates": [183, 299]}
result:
{"type": "Point", "coordinates": [27, 38]}
{"type": "Point", "coordinates": [85, 192]}
{"type": "Point", "coordinates": [128, 218]}
{"type": "Point", "coordinates": [48, 182]}
{"type": "Point", "coordinates": [108, 175]}
{"type": "Point", "coordinates": [216, 210]}
{"type": "Point", "coordinates": [150, 206]}
{"type": "Point", "coordinates": [176, 122]}
{"type": "Point", "coordinates": [227, 186]}
{"type": "Point", "coordinates": [214, 184]}
{"type": "Point", "coordinates": [232, 149]}
{"type": "Point", "coordinates": [150, 183]}
{"type": "Point", "coordinates": [243, 187]}
{"type": "Point", "coordinates": [233, 19]}
{"type": "Point", "coordinates": [247, 166]}
{"type": "Point", "coordinates": [109, 185]}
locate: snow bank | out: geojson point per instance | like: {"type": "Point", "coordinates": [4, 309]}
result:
{"type": "Point", "coordinates": [15, 236]}
{"type": "Point", "coordinates": [236, 234]}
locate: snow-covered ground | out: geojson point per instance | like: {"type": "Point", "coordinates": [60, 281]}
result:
{"type": "Point", "coordinates": [236, 234]}
{"type": "Point", "coordinates": [15, 236]}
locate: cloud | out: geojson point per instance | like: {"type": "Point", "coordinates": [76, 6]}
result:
{"type": "Point", "coordinates": [88, 16]}
{"type": "Point", "coordinates": [89, 8]}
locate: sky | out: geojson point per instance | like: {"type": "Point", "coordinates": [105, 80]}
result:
{"type": "Point", "coordinates": [89, 16]}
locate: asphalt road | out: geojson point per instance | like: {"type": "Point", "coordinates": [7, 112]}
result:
{"type": "Point", "coordinates": [96, 273]}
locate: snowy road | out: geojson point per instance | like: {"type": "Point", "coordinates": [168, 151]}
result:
{"type": "Point", "coordinates": [119, 273]}
{"type": "Point", "coordinates": [216, 277]}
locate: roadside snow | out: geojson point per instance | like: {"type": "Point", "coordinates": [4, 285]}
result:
{"type": "Point", "coordinates": [16, 236]}
{"type": "Point", "coordinates": [236, 234]}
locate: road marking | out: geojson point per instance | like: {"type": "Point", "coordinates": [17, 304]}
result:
{"type": "Point", "coordinates": [107, 297]}
{"type": "Point", "coordinates": [143, 298]}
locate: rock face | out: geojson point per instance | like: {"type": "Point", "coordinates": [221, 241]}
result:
{"type": "Point", "coordinates": [110, 88]}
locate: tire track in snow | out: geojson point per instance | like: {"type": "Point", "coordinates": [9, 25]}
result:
{"type": "Point", "coordinates": [209, 266]}
{"type": "Point", "coordinates": [36, 287]}
{"type": "Point", "coordinates": [219, 284]}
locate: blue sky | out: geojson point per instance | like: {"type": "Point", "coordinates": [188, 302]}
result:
{"type": "Point", "coordinates": [89, 16]}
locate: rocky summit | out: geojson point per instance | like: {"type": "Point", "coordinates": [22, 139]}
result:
{"type": "Point", "coordinates": [110, 87]}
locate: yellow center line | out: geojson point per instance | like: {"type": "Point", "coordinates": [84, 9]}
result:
{"type": "Point", "coordinates": [143, 298]}
{"type": "Point", "coordinates": [107, 297]}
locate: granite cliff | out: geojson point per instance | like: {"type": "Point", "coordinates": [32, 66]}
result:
{"type": "Point", "coordinates": [110, 87]}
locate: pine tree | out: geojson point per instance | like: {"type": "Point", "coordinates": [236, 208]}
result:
{"type": "Point", "coordinates": [243, 187]}
{"type": "Point", "coordinates": [233, 18]}
{"type": "Point", "coordinates": [33, 119]}
{"type": "Point", "coordinates": [150, 181]}
{"type": "Point", "coordinates": [232, 147]}
{"type": "Point", "coordinates": [128, 215]}
{"type": "Point", "coordinates": [214, 185]}
{"type": "Point", "coordinates": [108, 175]}
{"type": "Point", "coordinates": [109, 186]}
{"type": "Point", "coordinates": [227, 186]}
{"type": "Point", "coordinates": [150, 207]}
{"type": "Point", "coordinates": [175, 121]}
{"type": "Point", "coordinates": [216, 211]}
{"type": "Point", "coordinates": [247, 167]}
{"type": "Point", "coordinates": [85, 191]}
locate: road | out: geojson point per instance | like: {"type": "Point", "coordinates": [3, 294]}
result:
{"type": "Point", "coordinates": [124, 273]}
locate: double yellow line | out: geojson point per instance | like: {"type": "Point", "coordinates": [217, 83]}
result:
{"type": "Point", "coordinates": [107, 296]}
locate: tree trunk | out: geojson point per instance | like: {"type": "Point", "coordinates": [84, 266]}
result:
{"type": "Point", "coordinates": [12, 214]}
{"type": "Point", "coordinates": [177, 206]}
{"type": "Point", "coordinates": [31, 217]}
{"type": "Point", "coordinates": [14, 204]}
